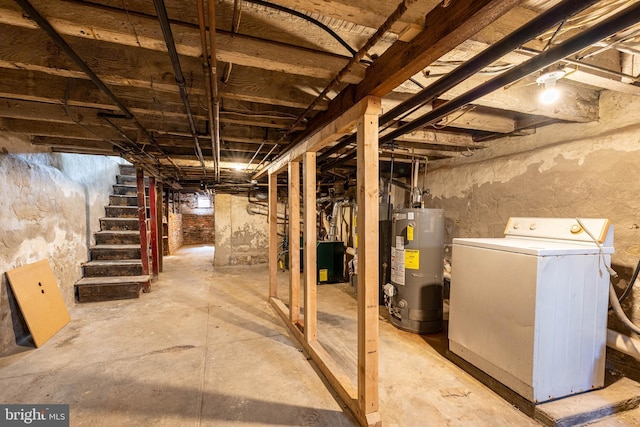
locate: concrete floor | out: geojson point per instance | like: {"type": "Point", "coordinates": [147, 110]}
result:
{"type": "Point", "coordinates": [204, 348]}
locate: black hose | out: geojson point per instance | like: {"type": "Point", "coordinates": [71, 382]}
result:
{"type": "Point", "coordinates": [627, 290]}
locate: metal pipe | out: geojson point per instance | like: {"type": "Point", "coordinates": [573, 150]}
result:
{"type": "Point", "coordinates": [214, 84]}
{"type": "Point", "coordinates": [163, 18]}
{"type": "Point", "coordinates": [254, 156]}
{"type": "Point", "coordinates": [306, 18]}
{"type": "Point", "coordinates": [372, 41]}
{"type": "Point", "coordinates": [522, 35]}
{"type": "Point", "coordinates": [519, 37]}
{"type": "Point", "coordinates": [62, 44]}
{"type": "Point", "coordinates": [207, 76]}
{"type": "Point", "coordinates": [582, 64]}
{"type": "Point", "coordinates": [622, 20]}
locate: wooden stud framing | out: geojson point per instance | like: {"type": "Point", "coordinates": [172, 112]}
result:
{"type": "Point", "coordinates": [142, 221]}
{"type": "Point", "coordinates": [310, 254]}
{"type": "Point", "coordinates": [153, 215]}
{"type": "Point", "coordinates": [361, 399]}
{"type": "Point", "coordinates": [367, 220]}
{"type": "Point", "coordinates": [273, 235]}
{"type": "Point", "coordinates": [294, 242]}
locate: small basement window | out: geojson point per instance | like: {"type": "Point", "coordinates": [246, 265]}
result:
{"type": "Point", "coordinates": [204, 200]}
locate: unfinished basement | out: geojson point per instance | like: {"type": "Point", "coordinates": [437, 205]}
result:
{"type": "Point", "coordinates": [332, 213]}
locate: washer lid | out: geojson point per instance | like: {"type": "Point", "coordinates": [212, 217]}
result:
{"type": "Point", "coordinates": [534, 246]}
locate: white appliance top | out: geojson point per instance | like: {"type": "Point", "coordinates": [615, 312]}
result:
{"type": "Point", "coordinates": [549, 236]}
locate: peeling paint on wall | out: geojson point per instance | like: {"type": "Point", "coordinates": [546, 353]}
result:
{"type": "Point", "coordinates": [242, 237]}
{"type": "Point", "coordinates": [563, 170]}
{"type": "Point", "coordinates": [51, 208]}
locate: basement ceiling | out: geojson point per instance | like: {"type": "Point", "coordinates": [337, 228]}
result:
{"type": "Point", "coordinates": [273, 77]}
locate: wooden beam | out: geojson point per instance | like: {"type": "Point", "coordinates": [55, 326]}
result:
{"type": "Point", "coordinates": [294, 242]}
{"type": "Point", "coordinates": [42, 87]}
{"type": "Point", "coordinates": [421, 137]}
{"type": "Point", "coordinates": [368, 13]}
{"type": "Point", "coordinates": [335, 374]}
{"type": "Point", "coordinates": [251, 119]}
{"type": "Point", "coordinates": [273, 235]}
{"type": "Point", "coordinates": [403, 60]}
{"type": "Point", "coordinates": [272, 87]}
{"type": "Point", "coordinates": [328, 134]}
{"type": "Point", "coordinates": [310, 254]}
{"type": "Point", "coordinates": [475, 117]}
{"type": "Point", "coordinates": [367, 252]}
{"type": "Point", "coordinates": [78, 144]}
{"type": "Point", "coordinates": [579, 104]}
{"type": "Point", "coordinates": [107, 26]}
{"type": "Point", "coordinates": [32, 50]}
{"type": "Point", "coordinates": [142, 221]}
{"type": "Point", "coordinates": [63, 130]}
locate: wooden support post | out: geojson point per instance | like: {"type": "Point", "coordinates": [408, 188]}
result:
{"type": "Point", "coordinates": [310, 255]}
{"type": "Point", "coordinates": [160, 216]}
{"type": "Point", "coordinates": [294, 241]}
{"type": "Point", "coordinates": [153, 214]}
{"type": "Point", "coordinates": [142, 221]}
{"type": "Point", "coordinates": [367, 220]}
{"type": "Point", "coordinates": [273, 235]}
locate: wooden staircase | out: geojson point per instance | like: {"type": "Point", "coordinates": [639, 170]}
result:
{"type": "Point", "coordinates": [115, 268]}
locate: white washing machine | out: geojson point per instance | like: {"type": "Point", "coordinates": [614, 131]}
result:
{"type": "Point", "coordinates": [530, 309]}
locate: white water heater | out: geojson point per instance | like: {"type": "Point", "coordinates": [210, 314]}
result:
{"type": "Point", "coordinates": [530, 309]}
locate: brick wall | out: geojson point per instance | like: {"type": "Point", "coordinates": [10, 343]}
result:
{"type": "Point", "coordinates": [176, 238]}
{"type": "Point", "coordinates": [198, 229]}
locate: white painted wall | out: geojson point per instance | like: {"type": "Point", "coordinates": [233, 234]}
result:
{"type": "Point", "coordinates": [51, 204]}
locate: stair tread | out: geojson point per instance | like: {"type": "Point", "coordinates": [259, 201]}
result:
{"type": "Point", "coordinates": [119, 232]}
{"type": "Point", "coordinates": [118, 218]}
{"type": "Point", "coordinates": [112, 280]}
{"type": "Point", "coordinates": [116, 247]}
{"type": "Point", "coordinates": [113, 262]}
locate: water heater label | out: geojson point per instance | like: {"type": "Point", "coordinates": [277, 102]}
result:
{"type": "Point", "coordinates": [410, 232]}
{"type": "Point", "coordinates": [410, 216]}
{"type": "Point", "coordinates": [397, 266]}
{"type": "Point", "coordinates": [399, 242]}
{"type": "Point", "coordinates": [412, 259]}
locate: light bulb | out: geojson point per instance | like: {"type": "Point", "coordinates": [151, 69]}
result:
{"type": "Point", "coordinates": [548, 80]}
{"type": "Point", "coordinates": [549, 95]}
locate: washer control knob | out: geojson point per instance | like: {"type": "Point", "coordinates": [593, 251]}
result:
{"type": "Point", "coordinates": [533, 227]}
{"type": "Point", "coordinates": [516, 226]}
{"type": "Point", "coordinates": [576, 228]}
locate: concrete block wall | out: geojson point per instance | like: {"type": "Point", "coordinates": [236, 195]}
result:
{"type": "Point", "coordinates": [51, 206]}
{"type": "Point", "coordinates": [198, 229]}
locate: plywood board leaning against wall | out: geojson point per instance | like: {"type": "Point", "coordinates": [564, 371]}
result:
{"type": "Point", "coordinates": [39, 299]}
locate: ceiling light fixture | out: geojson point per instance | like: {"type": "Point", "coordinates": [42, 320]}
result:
{"type": "Point", "coordinates": [548, 80]}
